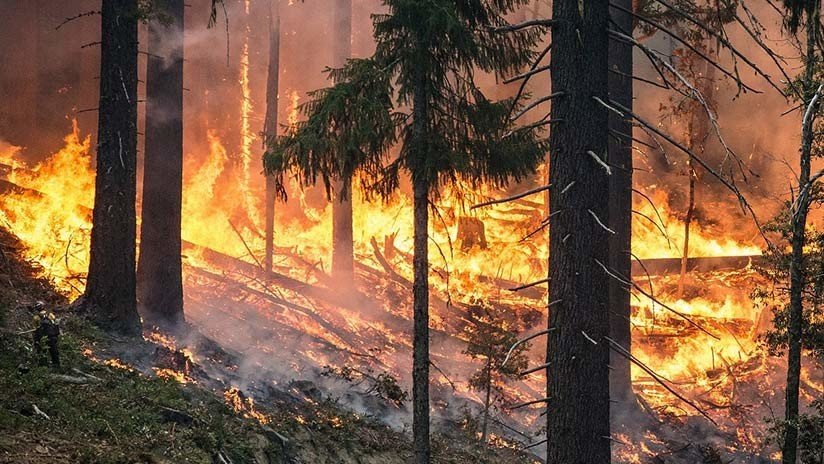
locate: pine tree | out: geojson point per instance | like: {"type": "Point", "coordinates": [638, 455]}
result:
{"type": "Point", "coordinates": [426, 56]}
{"type": "Point", "coordinates": [579, 320]}
{"type": "Point", "coordinates": [110, 287]}
{"type": "Point", "coordinates": [159, 269]}
{"type": "Point", "coordinates": [489, 337]}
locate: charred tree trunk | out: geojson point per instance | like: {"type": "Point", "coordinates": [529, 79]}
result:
{"type": "Point", "coordinates": [110, 288]}
{"type": "Point", "coordinates": [620, 203]}
{"type": "Point", "coordinates": [789, 449]}
{"type": "Point", "coordinates": [699, 131]}
{"type": "Point", "coordinates": [159, 278]}
{"type": "Point", "coordinates": [343, 261]}
{"type": "Point", "coordinates": [577, 349]}
{"type": "Point", "coordinates": [270, 128]}
{"type": "Point", "coordinates": [420, 284]}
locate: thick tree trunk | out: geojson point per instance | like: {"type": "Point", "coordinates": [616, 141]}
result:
{"type": "Point", "coordinates": [577, 349]}
{"type": "Point", "coordinates": [343, 263]}
{"type": "Point", "coordinates": [789, 449]}
{"type": "Point", "coordinates": [620, 204]}
{"type": "Point", "coordinates": [420, 285]}
{"type": "Point", "coordinates": [270, 128]}
{"type": "Point", "coordinates": [110, 288]}
{"type": "Point", "coordinates": [159, 278]}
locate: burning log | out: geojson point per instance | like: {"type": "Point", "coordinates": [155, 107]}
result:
{"type": "Point", "coordinates": [660, 266]}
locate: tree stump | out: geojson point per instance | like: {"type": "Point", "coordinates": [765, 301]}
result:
{"type": "Point", "coordinates": [471, 233]}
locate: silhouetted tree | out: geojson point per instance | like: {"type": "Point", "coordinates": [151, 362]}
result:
{"type": "Point", "coordinates": [110, 288]}
{"type": "Point", "coordinates": [579, 318]}
{"type": "Point", "coordinates": [270, 128]}
{"type": "Point", "coordinates": [620, 199]}
{"type": "Point", "coordinates": [159, 269]}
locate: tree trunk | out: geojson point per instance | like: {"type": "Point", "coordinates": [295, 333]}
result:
{"type": "Point", "coordinates": [687, 223]}
{"type": "Point", "coordinates": [159, 278]}
{"type": "Point", "coordinates": [343, 262]}
{"type": "Point", "coordinates": [789, 449]}
{"type": "Point", "coordinates": [420, 337]}
{"type": "Point", "coordinates": [699, 131]}
{"type": "Point", "coordinates": [420, 285]}
{"type": "Point", "coordinates": [620, 204]}
{"type": "Point", "coordinates": [270, 128]}
{"type": "Point", "coordinates": [577, 350]}
{"type": "Point", "coordinates": [485, 424]}
{"type": "Point", "coordinates": [110, 288]}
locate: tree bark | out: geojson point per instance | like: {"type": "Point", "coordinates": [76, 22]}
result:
{"type": "Point", "coordinates": [159, 268]}
{"type": "Point", "coordinates": [485, 424]}
{"type": "Point", "coordinates": [343, 262]}
{"type": "Point", "coordinates": [620, 203]}
{"type": "Point", "coordinates": [578, 353]}
{"type": "Point", "coordinates": [789, 449]}
{"type": "Point", "coordinates": [270, 128]}
{"type": "Point", "coordinates": [420, 284]}
{"type": "Point", "coordinates": [420, 338]}
{"type": "Point", "coordinates": [110, 288]}
{"type": "Point", "coordinates": [699, 131]}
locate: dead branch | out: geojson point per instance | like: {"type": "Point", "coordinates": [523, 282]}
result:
{"type": "Point", "coordinates": [522, 341]}
{"type": "Point", "coordinates": [625, 353]}
{"type": "Point", "coordinates": [528, 403]}
{"type": "Point", "coordinates": [536, 103]}
{"type": "Point", "coordinates": [521, 89]}
{"type": "Point", "coordinates": [615, 275]}
{"type": "Point", "coordinates": [531, 284]}
{"type": "Point", "coordinates": [545, 23]}
{"type": "Point", "coordinates": [534, 369]}
{"type": "Point", "coordinates": [527, 74]}
{"type": "Point", "coordinates": [77, 16]}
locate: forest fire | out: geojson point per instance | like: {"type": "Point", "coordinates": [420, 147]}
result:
{"type": "Point", "coordinates": [373, 213]}
{"type": "Point", "coordinates": [224, 255]}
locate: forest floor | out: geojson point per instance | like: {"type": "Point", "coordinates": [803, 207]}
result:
{"type": "Point", "coordinates": [115, 400]}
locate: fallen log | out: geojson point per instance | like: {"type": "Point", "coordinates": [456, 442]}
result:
{"type": "Point", "coordinates": [661, 266]}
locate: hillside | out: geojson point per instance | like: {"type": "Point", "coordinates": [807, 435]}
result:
{"type": "Point", "coordinates": [119, 400]}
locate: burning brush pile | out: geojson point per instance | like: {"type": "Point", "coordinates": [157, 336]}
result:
{"type": "Point", "coordinates": [707, 387]}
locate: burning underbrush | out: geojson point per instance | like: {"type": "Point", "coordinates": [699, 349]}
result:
{"type": "Point", "coordinates": [114, 402]}
{"type": "Point", "coordinates": [703, 382]}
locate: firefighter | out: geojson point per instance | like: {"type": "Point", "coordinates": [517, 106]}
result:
{"type": "Point", "coordinates": [46, 326]}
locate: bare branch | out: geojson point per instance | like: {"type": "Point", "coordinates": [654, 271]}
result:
{"type": "Point", "coordinates": [536, 103]}
{"type": "Point", "coordinates": [512, 198]}
{"type": "Point", "coordinates": [545, 23]}
{"type": "Point", "coordinates": [529, 285]}
{"type": "Point", "coordinates": [625, 353]}
{"type": "Point", "coordinates": [77, 16]}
